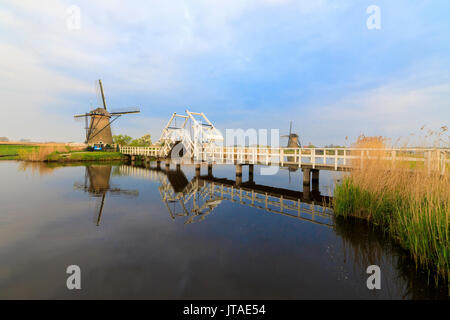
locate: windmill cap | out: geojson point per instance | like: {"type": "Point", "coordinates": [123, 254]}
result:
{"type": "Point", "coordinates": [100, 111]}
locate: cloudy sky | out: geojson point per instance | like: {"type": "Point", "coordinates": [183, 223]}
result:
{"type": "Point", "coordinates": [245, 63]}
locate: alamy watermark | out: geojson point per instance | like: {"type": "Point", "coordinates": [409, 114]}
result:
{"type": "Point", "coordinates": [374, 20]}
{"type": "Point", "coordinates": [374, 281]}
{"type": "Point", "coordinates": [73, 19]}
{"type": "Point", "coordinates": [74, 280]}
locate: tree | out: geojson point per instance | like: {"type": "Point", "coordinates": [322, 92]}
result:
{"type": "Point", "coordinates": [122, 139]}
{"type": "Point", "coordinates": [143, 141]}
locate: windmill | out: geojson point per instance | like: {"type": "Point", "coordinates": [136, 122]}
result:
{"type": "Point", "coordinates": [293, 142]}
{"type": "Point", "coordinates": [293, 139]}
{"type": "Point", "coordinates": [98, 128]}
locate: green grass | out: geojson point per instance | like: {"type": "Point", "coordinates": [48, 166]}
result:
{"type": "Point", "coordinates": [85, 156]}
{"type": "Point", "coordinates": [419, 223]}
{"type": "Point", "coordinates": [11, 151]}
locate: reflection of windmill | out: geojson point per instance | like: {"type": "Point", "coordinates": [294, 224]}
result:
{"type": "Point", "coordinates": [96, 183]}
{"type": "Point", "coordinates": [98, 130]}
{"type": "Point", "coordinates": [293, 141]}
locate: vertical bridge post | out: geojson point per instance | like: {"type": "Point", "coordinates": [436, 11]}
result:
{"type": "Point", "coordinates": [306, 183]}
{"type": "Point", "coordinates": [238, 174]}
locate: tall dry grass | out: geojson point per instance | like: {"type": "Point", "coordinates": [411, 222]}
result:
{"type": "Point", "coordinates": [41, 153]}
{"type": "Point", "coordinates": [412, 206]}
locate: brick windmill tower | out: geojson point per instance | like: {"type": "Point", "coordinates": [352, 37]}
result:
{"type": "Point", "coordinates": [98, 127]}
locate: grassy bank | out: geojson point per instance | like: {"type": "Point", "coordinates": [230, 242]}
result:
{"type": "Point", "coordinates": [85, 156]}
{"type": "Point", "coordinates": [11, 151]}
{"type": "Point", "coordinates": [413, 207]}
{"type": "Point", "coordinates": [55, 153]}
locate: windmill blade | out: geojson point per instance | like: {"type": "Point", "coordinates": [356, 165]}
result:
{"type": "Point", "coordinates": [103, 94]}
{"type": "Point", "coordinates": [102, 204]}
{"type": "Point", "coordinates": [82, 115]}
{"type": "Point", "coordinates": [136, 110]}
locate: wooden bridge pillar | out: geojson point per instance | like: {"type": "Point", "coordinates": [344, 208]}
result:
{"type": "Point", "coordinates": [250, 172]}
{"type": "Point", "coordinates": [210, 170]}
{"type": "Point", "coordinates": [197, 170]}
{"type": "Point", "coordinates": [238, 174]}
{"type": "Point", "coordinates": [167, 165]}
{"type": "Point", "coordinates": [315, 179]}
{"type": "Point", "coordinates": [158, 164]}
{"type": "Point", "coordinates": [133, 158]}
{"type": "Point", "coordinates": [147, 159]}
{"type": "Point", "coordinates": [306, 183]}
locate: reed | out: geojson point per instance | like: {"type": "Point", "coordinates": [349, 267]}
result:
{"type": "Point", "coordinates": [41, 153]}
{"type": "Point", "coordinates": [412, 206]}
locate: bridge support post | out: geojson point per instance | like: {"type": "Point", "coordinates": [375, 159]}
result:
{"type": "Point", "coordinates": [315, 179]}
{"type": "Point", "coordinates": [133, 158]}
{"type": "Point", "coordinates": [147, 159]}
{"type": "Point", "coordinates": [306, 183]}
{"type": "Point", "coordinates": [238, 174]}
{"type": "Point", "coordinates": [178, 167]}
{"type": "Point", "coordinates": [250, 172]}
{"type": "Point", "coordinates": [167, 165]}
{"type": "Point", "coordinates": [210, 170]}
{"type": "Point", "coordinates": [158, 164]}
{"type": "Point", "coordinates": [197, 170]}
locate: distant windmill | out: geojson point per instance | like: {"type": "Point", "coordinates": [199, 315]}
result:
{"type": "Point", "coordinates": [293, 139]}
{"type": "Point", "coordinates": [98, 129]}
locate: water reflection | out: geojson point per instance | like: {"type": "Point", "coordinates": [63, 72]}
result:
{"type": "Point", "coordinates": [190, 236]}
{"type": "Point", "coordinates": [196, 199]}
{"type": "Point", "coordinates": [364, 245]}
{"type": "Point", "coordinates": [97, 184]}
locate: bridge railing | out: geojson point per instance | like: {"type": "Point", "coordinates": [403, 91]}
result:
{"type": "Point", "coordinates": [336, 158]}
{"type": "Point", "coordinates": [152, 151]}
{"type": "Point", "coordinates": [328, 157]}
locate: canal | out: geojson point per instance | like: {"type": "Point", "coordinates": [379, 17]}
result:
{"type": "Point", "coordinates": [139, 233]}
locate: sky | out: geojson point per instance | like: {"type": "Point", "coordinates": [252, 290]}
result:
{"type": "Point", "coordinates": [244, 63]}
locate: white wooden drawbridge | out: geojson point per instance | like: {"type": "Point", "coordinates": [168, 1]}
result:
{"type": "Point", "coordinates": [187, 138]}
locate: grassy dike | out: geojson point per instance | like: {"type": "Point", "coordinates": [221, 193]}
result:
{"type": "Point", "coordinates": [11, 151]}
{"type": "Point", "coordinates": [413, 208]}
{"type": "Point", "coordinates": [55, 153]}
{"type": "Point", "coordinates": [85, 156]}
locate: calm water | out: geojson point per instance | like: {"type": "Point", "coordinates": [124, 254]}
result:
{"type": "Point", "coordinates": [138, 233]}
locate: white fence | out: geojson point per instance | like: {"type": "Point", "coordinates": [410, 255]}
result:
{"type": "Point", "coordinates": [332, 158]}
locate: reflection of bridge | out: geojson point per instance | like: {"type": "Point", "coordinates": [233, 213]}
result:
{"type": "Point", "coordinates": [197, 198]}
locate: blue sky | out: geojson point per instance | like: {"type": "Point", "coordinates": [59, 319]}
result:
{"type": "Point", "coordinates": [246, 64]}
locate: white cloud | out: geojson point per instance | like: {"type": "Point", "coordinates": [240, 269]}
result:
{"type": "Point", "coordinates": [394, 110]}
